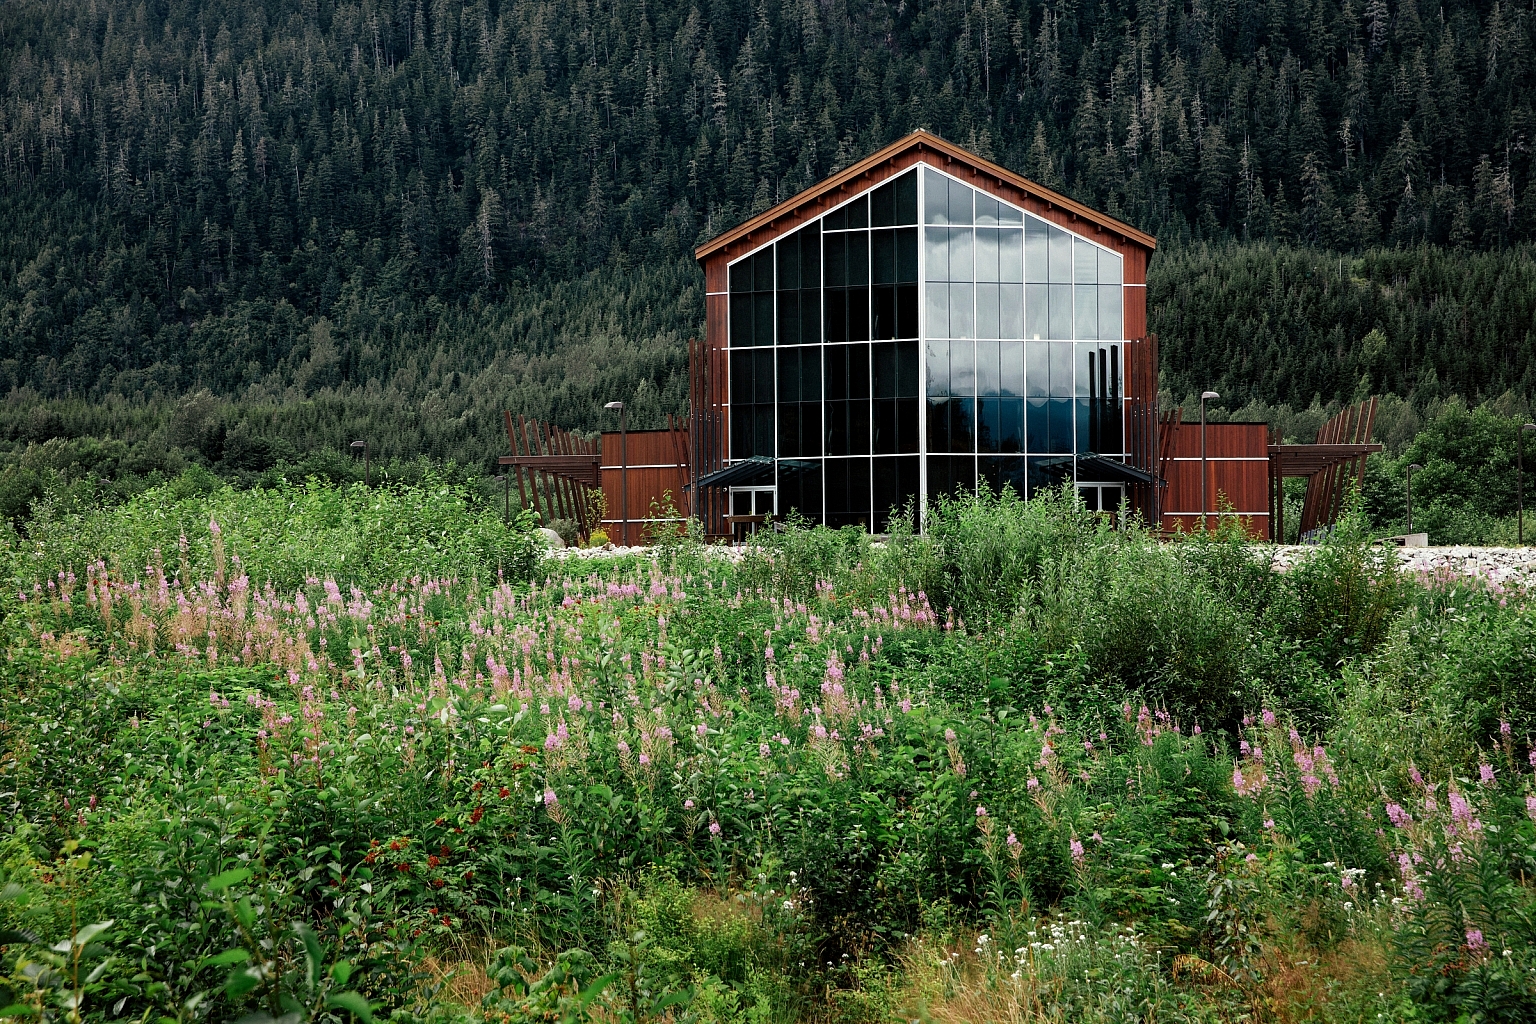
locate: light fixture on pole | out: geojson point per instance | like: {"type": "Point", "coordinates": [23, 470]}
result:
{"type": "Point", "coordinates": [1204, 497]}
{"type": "Point", "coordinates": [623, 472]}
{"type": "Point", "coordinates": [1520, 478]}
{"type": "Point", "coordinates": [367, 475]}
{"type": "Point", "coordinates": [1413, 468]}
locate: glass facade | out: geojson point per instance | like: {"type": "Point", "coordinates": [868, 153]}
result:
{"type": "Point", "coordinates": [923, 335]}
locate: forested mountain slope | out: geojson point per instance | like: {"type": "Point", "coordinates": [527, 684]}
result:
{"type": "Point", "coordinates": [421, 199]}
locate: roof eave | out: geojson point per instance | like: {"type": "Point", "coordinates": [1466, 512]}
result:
{"type": "Point", "coordinates": [920, 138]}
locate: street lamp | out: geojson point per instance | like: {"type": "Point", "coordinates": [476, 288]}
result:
{"type": "Point", "coordinates": [367, 475]}
{"type": "Point", "coordinates": [1520, 478]}
{"type": "Point", "coordinates": [1204, 498]}
{"type": "Point", "coordinates": [1412, 469]}
{"type": "Point", "coordinates": [623, 471]}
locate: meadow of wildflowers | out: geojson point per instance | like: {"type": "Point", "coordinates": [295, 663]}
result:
{"type": "Point", "coordinates": [258, 763]}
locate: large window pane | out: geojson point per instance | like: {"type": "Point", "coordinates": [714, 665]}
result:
{"type": "Point", "coordinates": [1061, 256]}
{"type": "Point", "coordinates": [882, 360]}
{"type": "Point", "coordinates": [1085, 318]}
{"type": "Point", "coordinates": [962, 317]}
{"type": "Point", "coordinates": [1037, 369]}
{"type": "Point", "coordinates": [1111, 325]}
{"type": "Point", "coordinates": [837, 314]}
{"type": "Point", "coordinates": [986, 254]}
{"type": "Point", "coordinates": [988, 369]}
{"type": "Point", "coordinates": [989, 424]}
{"type": "Point", "coordinates": [1059, 411]}
{"type": "Point", "coordinates": [789, 318]}
{"type": "Point", "coordinates": [962, 424]}
{"type": "Point", "coordinates": [961, 262]}
{"type": "Point", "coordinates": [810, 315]}
{"type": "Point", "coordinates": [1038, 432]}
{"type": "Point", "coordinates": [883, 256]}
{"type": "Point", "coordinates": [907, 382]}
{"type": "Point", "coordinates": [762, 376]}
{"type": "Point", "coordinates": [1036, 250]}
{"type": "Point", "coordinates": [788, 252]}
{"type": "Point", "coordinates": [810, 255]}
{"type": "Point", "coordinates": [741, 320]}
{"type": "Point", "coordinates": [936, 253]}
{"type": "Point", "coordinates": [986, 311]}
{"type": "Point", "coordinates": [1086, 258]}
{"type": "Point", "coordinates": [938, 311]}
{"type": "Point", "coordinates": [906, 198]}
{"type": "Point", "coordinates": [883, 314]}
{"type": "Point", "coordinates": [836, 264]}
{"type": "Point", "coordinates": [960, 201]}
{"type": "Point", "coordinates": [937, 358]}
{"type": "Point", "coordinates": [935, 197]}
{"type": "Point", "coordinates": [1010, 253]}
{"type": "Point", "coordinates": [1061, 311]}
{"type": "Point", "coordinates": [762, 316]}
{"type": "Point", "coordinates": [906, 311]}
{"type": "Point", "coordinates": [962, 369]}
{"type": "Point", "coordinates": [1010, 313]}
{"type": "Point", "coordinates": [1011, 368]}
{"type": "Point", "coordinates": [810, 428]}
{"type": "Point", "coordinates": [986, 210]}
{"type": "Point", "coordinates": [1010, 434]}
{"type": "Point", "coordinates": [858, 314]}
{"type": "Point", "coordinates": [1037, 311]}
{"type": "Point", "coordinates": [741, 276]}
{"type": "Point", "coordinates": [1061, 369]}
{"type": "Point", "coordinates": [789, 374]}
{"type": "Point", "coordinates": [938, 424]}
{"type": "Point", "coordinates": [858, 212]}
{"type": "Point", "coordinates": [1009, 216]}
{"type": "Point", "coordinates": [858, 257]}
{"type": "Point", "coordinates": [882, 205]}
{"type": "Point", "coordinates": [1109, 267]}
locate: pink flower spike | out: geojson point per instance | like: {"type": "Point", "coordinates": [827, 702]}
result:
{"type": "Point", "coordinates": [1077, 851]}
{"type": "Point", "coordinates": [1485, 774]}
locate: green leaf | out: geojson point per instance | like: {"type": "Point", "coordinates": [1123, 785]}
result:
{"type": "Point", "coordinates": [314, 958]}
{"type": "Point", "coordinates": [90, 931]}
{"type": "Point", "coordinates": [224, 879]}
{"type": "Point", "coordinates": [340, 972]}
{"type": "Point", "coordinates": [354, 1002]}
{"type": "Point", "coordinates": [241, 980]}
{"type": "Point", "coordinates": [229, 956]}
{"type": "Point", "coordinates": [17, 1010]}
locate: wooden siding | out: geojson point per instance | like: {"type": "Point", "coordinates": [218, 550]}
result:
{"type": "Point", "coordinates": [658, 462]}
{"type": "Point", "coordinates": [1237, 461]}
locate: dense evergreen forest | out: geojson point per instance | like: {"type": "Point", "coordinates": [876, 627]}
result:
{"type": "Point", "coordinates": [400, 216]}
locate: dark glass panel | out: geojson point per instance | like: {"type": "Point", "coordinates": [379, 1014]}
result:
{"type": "Point", "coordinates": [884, 312]}
{"type": "Point", "coordinates": [837, 220]}
{"type": "Point", "coordinates": [810, 255]}
{"type": "Point", "coordinates": [742, 388]}
{"type": "Point", "coordinates": [741, 503]}
{"type": "Point", "coordinates": [762, 318]}
{"type": "Point", "coordinates": [858, 314]}
{"type": "Point", "coordinates": [1039, 427]}
{"type": "Point", "coordinates": [1087, 426]}
{"type": "Point", "coordinates": [810, 375]}
{"type": "Point", "coordinates": [837, 314]}
{"type": "Point", "coordinates": [1059, 411]}
{"type": "Point", "coordinates": [836, 372]}
{"type": "Point", "coordinates": [962, 369]}
{"type": "Point", "coordinates": [789, 374]}
{"type": "Point", "coordinates": [1090, 498]}
{"type": "Point", "coordinates": [938, 424]}
{"type": "Point", "coordinates": [741, 276]}
{"type": "Point", "coordinates": [763, 415]}
{"type": "Point", "coordinates": [906, 198]}
{"type": "Point", "coordinates": [907, 370]}
{"type": "Point", "coordinates": [907, 423]}
{"type": "Point", "coordinates": [1002, 472]}
{"type": "Point", "coordinates": [882, 205]}
{"type": "Point", "coordinates": [858, 257]}
{"type": "Point", "coordinates": [962, 424]}
{"type": "Point", "coordinates": [789, 318]}
{"type": "Point", "coordinates": [858, 371]}
{"type": "Point", "coordinates": [789, 262]}
{"type": "Point", "coordinates": [895, 487]}
{"type": "Point", "coordinates": [836, 265]}
{"type": "Point", "coordinates": [885, 441]}
{"type": "Point", "coordinates": [762, 270]}
{"type": "Point", "coordinates": [883, 370]}
{"type": "Point", "coordinates": [789, 430]}
{"type": "Point", "coordinates": [810, 316]}
{"type": "Point", "coordinates": [810, 428]}
{"type": "Point", "coordinates": [938, 368]}
{"type": "Point", "coordinates": [800, 491]}
{"type": "Point", "coordinates": [762, 375]}
{"type": "Point", "coordinates": [1010, 428]}
{"type": "Point", "coordinates": [741, 320]}
{"type": "Point", "coordinates": [858, 425]}
{"type": "Point", "coordinates": [989, 425]}
{"type": "Point", "coordinates": [741, 432]}
{"type": "Point", "coordinates": [906, 311]}
{"type": "Point", "coordinates": [906, 254]}
{"type": "Point", "coordinates": [858, 212]}
{"type": "Point", "coordinates": [882, 246]}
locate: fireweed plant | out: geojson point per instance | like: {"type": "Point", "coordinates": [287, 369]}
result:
{"type": "Point", "coordinates": [1021, 765]}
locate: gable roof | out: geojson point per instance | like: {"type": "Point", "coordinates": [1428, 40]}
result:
{"type": "Point", "coordinates": [920, 140]}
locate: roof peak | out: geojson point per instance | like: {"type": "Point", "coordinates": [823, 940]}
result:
{"type": "Point", "coordinates": [922, 138]}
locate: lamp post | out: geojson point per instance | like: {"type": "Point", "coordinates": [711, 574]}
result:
{"type": "Point", "coordinates": [1204, 497]}
{"type": "Point", "coordinates": [1412, 469]}
{"type": "Point", "coordinates": [623, 471]}
{"type": "Point", "coordinates": [367, 474]}
{"type": "Point", "coordinates": [1520, 479]}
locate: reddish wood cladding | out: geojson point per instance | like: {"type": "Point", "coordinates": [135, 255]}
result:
{"type": "Point", "coordinates": [1237, 464]}
{"type": "Point", "coordinates": [657, 463]}
{"type": "Point", "coordinates": [715, 276]}
{"type": "Point", "coordinates": [1135, 312]}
